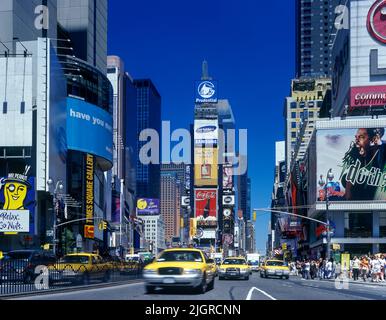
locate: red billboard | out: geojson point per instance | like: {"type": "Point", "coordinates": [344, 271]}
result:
{"type": "Point", "coordinates": [206, 207]}
{"type": "Point", "coordinates": [368, 96]}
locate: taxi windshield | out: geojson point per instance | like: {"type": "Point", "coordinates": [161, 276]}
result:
{"type": "Point", "coordinates": [275, 263]}
{"type": "Point", "coordinates": [75, 259]}
{"type": "Point", "coordinates": [235, 261]}
{"type": "Point", "coordinates": [180, 256]}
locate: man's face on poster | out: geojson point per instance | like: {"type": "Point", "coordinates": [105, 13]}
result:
{"type": "Point", "coordinates": [362, 140]}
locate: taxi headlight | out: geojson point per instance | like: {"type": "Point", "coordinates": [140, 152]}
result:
{"type": "Point", "coordinates": [270, 271]}
{"type": "Point", "coordinates": [149, 272]}
{"type": "Point", "coordinates": [192, 271]}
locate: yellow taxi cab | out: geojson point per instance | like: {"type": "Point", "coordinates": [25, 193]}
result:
{"type": "Point", "coordinates": [213, 266]}
{"type": "Point", "coordinates": [234, 267]}
{"type": "Point", "coordinates": [274, 268]}
{"type": "Point", "coordinates": [179, 267]}
{"type": "Point", "coordinates": [80, 267]}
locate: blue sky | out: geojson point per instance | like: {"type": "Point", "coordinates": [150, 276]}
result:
{"type": "Point", "coordinates": [249, 46]}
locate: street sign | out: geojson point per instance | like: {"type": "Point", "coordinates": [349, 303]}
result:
{"type": "Point", "coordinates": [50, 233]}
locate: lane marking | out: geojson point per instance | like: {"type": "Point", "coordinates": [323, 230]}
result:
{"type": "Point", "coordinates": [249, 296]}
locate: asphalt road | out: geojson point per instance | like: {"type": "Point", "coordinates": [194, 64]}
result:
{"type": "Point", "coordinates": [254, 289]}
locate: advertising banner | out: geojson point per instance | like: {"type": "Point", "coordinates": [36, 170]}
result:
{"type": "Point", "coordinates": [206, 207]}
{"type": "Point", "coordinates": [345, 262]}
{"type": "Point", "coordinates": [89, 129]}
{"type": "Point", "coordinates": [89, 189]}
{"type": "Point", "coordinates": [227, 213]}
{"type": "Point", "coordinates": [206, 92]}
{"type": "Point", "coordinates": [116, 207]}
{"type": "Point", "coordinates": [236, 237]}
{"type": "Point", "coordinates": [228, 200]}
{"type": "Point", "coordinates": [192, 227]}
{"type": "Point", "coordinates": [357, 158]}
{"type": "Point", "coordinates": [205, 167]}
{"type": "Point", "coordinates": [187, 177]}
{"type": "Point", "coordinates": [185, 201]}
{"type": "Point", "coordinates": [206, 132]}
{"type": "Point", "coordinates": [148, 207]}
{"type": "Point", "coordinates": [282, 171]}
{"type": "Point", "coordinates": [227, 226]}
{"type": "Point", "coordinates": [368, 96]}
{"type": "Point", "coordinates": [17, 203]}
{"type": "Point", "coordinates": [227, 239]}
{"type": "Point", "coordinates": [227, 177]}
{"type": "Point", "coordinates": [209, 234]}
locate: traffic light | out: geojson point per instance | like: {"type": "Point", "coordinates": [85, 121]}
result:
{"type": "Point", "coordinates": [254, 216]}
{"type": "Point", "coordinates": [102, 225]}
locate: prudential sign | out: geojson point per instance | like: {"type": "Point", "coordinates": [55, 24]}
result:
{"type": "Point", "coordinates": [206, 92]}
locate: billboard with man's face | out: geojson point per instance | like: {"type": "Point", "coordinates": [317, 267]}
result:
{"type": "Point", "coordinates": [357, 159]}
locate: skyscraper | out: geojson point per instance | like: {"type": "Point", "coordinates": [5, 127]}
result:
{"type": "Point", "coordinates": [19, 20]}
{"type": "Point", "coordinates": [171, 204]}
{"type": "Point", "coordinates": [179, 170]}
{"type": "Point", "coordinates": [148, 106]}
{"type": "Point", "coordinates": [314, 26]}
{"type": "Point", "coordinates": [86, 23]}
{"type": "Point", "coordinates": [124, 152]}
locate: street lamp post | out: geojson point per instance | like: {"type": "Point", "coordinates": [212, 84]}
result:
{"type": "Point", "coordinates": [59, 185]}
{"type": "Point", "coordinates": [324, 184]}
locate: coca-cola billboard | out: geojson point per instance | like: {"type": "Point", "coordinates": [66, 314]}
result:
{"type": "Point", "coordinates": [206, 207]}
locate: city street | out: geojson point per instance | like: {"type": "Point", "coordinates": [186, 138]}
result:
{"type": "Point", "coordinates": [254, 289]}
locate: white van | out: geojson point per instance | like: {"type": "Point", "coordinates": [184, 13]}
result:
{"type": "Point", "coordinates": [253, 260]}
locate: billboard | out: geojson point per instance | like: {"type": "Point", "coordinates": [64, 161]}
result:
{"type": "Point", "coordinates": [187, 177]}
{"type": "Point", "coordinates": [206, 132]}
{"type": "Point", "coordinates": [206, 91]}
{"type": "Point", "coordinates": [148, 207]}
{"type": "Point", "coordinates": [89, 129]}
{"type": "Point", "coordinates": [368, 54]}
{"type": "Point", "coordinates": [206, 207]}
{"type": "Point", "coordinates": [227, 177]}
{"type": "Point", "coordinates": [17, 203]}
{"type": "Point", "coordinates": [228, 200]}
{"type": "Point", "coordinates": [357, 158]}
{"type": "Point", "coordinates": [205, 167]}
{"type": "Point", "coordinates": [116, 207]}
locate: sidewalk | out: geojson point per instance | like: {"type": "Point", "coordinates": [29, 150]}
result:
{"type": "Point", "coordinates": [351, 281]}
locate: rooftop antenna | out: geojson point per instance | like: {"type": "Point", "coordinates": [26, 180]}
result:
{"type": "Point", "coordinates": [205, 71]}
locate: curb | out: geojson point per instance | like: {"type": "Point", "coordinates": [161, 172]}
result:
{"type": "Point", "coordinates": [359, 282]}
{"type": "Point", "coordinates": [68, 289]}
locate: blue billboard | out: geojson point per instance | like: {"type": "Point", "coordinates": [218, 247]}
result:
{"type": "Point", "coordinates": [148, 207]}
{"type": "Point", "coordinates": [206, 91]}
{"type": "Point", "coordinates": [89, 129]}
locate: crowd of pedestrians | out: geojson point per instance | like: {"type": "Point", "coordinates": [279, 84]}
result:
{"type": "Point", "coordinates": [367, 268]}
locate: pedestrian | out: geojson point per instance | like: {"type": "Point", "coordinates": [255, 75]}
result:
{"type": "Point", "coordinates": [376, 269]}
{"type": "Point", "coordinates": [329, 268]}
{"type": "Point", "coordinates": [383, 262]}
{"type": "Point", "coordinates": [314, 270]}
{"type": "Point", "coordinates": [355, 268]}
{"type": "Point", "coordinates": [364, 267]}
{"type": "Point", "coordinates": [307, 269]}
